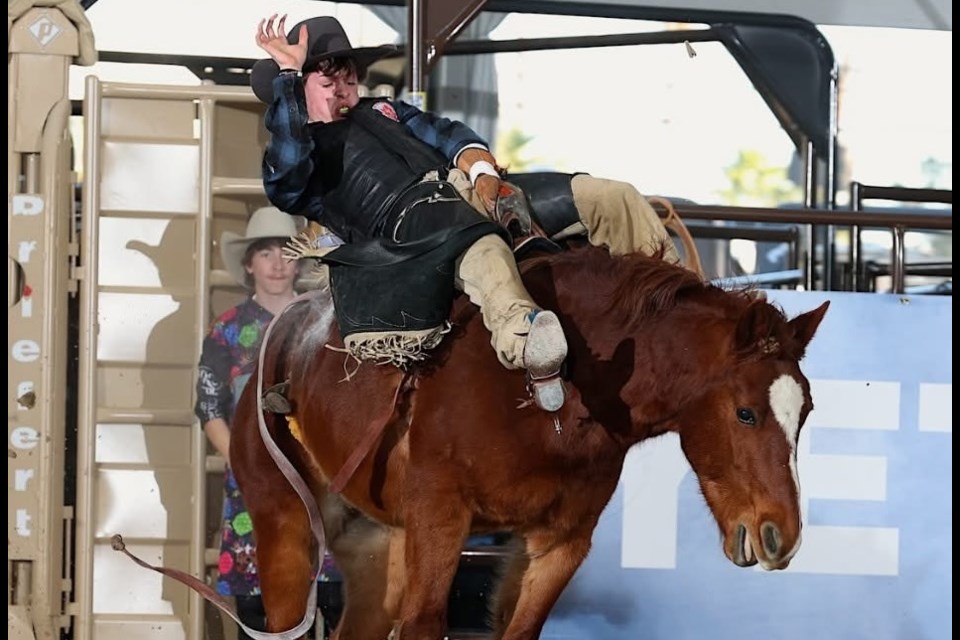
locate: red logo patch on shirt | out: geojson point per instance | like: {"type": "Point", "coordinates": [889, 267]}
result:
{"type": "Point", "coordinates": [387, 109]}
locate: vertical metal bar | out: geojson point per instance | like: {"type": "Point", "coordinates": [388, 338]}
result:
{"type": "Point", "coordinates": [206, 112]}
{"type": "Point", "coordinates": [793, 250]}
{"type": "Point", "coordinates": [809, 198]}
{"type": "Point", "coordinates": [898, 258]}
{"type": "Point", "coordinates": [832, 142]}
{"type": "Point", "coordinates": [87, 379]}
{"type": "Point", "coordinates": [69, 519]}
{"type": "Point", "coordinates": [416, 25]}
{"type": "Point", "coordinates": [45, 574]}
{"type": "Point", "coordinates": [31, 172]}
{"type": "Point", "coordinates": [855, 252]}
{"type": "Point", "coordinates": [14, 162]}
{"type": "Point", "coordinates": [830, 187]}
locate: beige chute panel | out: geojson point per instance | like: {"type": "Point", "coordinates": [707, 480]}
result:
{"type": "Point", "coordinates": [42, 43]}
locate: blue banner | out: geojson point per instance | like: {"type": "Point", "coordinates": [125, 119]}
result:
{"type": "Point", "coordinates": [875, 464]}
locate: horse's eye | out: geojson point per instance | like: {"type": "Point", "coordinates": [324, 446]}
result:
{"type": "Point", "coordinates": [746, 416]}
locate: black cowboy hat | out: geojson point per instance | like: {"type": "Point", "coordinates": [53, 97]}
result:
{"type": "Point", "coordinates": [325, 39]}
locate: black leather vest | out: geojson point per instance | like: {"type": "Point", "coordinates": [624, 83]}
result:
{"type": "Point", "coordinates": [366, 162]}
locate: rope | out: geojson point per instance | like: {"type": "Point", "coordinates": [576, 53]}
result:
{"type": "Point", "coordinates": [673, 222]}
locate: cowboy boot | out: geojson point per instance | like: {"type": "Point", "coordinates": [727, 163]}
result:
{"type": "Point", "coordinates": [543, 354]}
{"type": "Point", "coordinates": [522, 335]}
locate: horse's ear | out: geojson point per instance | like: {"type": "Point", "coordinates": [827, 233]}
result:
{"type": "Point", "coordinates": [752, 328]}
{"type": "Point", "coordinates": [805, 325]}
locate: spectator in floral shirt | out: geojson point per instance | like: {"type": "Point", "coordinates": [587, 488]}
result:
{"type": "Point", "coordinates": [229, 356]}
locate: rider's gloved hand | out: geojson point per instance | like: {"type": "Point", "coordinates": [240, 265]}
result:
{"type": "Point", "coordinates": [481, 166]}
{"type": "Point", "coordinates": [487, 187]}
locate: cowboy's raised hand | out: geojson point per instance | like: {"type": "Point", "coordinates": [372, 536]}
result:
{"type": "Point", "coordinates": [274, 41]}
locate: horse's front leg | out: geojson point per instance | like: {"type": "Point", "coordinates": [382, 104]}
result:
{"type": "Point", "coordinates": [285, 553]}
{"type": "Point", "coordinates": [435, 531]}
{"type": "Point", "coordinates": [533, 582]}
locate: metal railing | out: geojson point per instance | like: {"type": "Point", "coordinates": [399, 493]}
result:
{"type": "Point", "coordinates": [898, 222]}
{"type": "Point", "coordinates": [860, 192]}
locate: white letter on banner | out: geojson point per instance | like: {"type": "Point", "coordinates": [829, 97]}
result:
{"type": "Point", "coordinates": [651, 480]}
{"type": "Point", "coordinates": [27, 205]}
{"type": "Point", "coordinates": [25, 249]}
{"type": "Point", "coordinates": [23, 523]}
{"type": "Point", "coordinates": [846, 550]}
{"type": "Point", "coordinates": [936, 408]}
{"type": "Point", "coordinates": [21, 478]}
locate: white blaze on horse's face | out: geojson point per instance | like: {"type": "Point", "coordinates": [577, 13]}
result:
{"type": "Point", "coordinates": [786, 401]}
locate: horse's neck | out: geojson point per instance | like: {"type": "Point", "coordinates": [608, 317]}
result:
{"type": "Point", "coordinates": [634, 375]}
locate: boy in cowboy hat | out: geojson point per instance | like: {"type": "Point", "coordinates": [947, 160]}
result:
{"type": "Point", "coordinates": [378, 168]}
{"type": "Point", "coordinates": [228, 358]}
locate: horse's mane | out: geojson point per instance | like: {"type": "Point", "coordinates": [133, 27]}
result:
{"type": "Point", "coordinates": [634, 285]}
{"type": "Point", "coordinates": [649, 285]}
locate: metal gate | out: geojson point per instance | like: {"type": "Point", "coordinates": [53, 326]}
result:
{"type": "Point", "coordinates": [167, 170]}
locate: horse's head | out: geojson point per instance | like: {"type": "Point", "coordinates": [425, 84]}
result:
{"type": "Point", "coordinates": [740, 434]}
{"type": "Point", "coordinates": [655, 348]}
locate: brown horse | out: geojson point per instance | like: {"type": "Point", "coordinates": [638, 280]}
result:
{"type": "Point", "coordinates": [652, 349]}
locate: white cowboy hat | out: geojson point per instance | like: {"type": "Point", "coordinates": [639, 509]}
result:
{"type": "Point", "coordinates": [266, 222]}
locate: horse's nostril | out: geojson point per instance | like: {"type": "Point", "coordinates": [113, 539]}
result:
{"type": "Point", "coordinates": [771, 539]}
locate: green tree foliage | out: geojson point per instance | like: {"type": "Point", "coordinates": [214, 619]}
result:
{"type": "Point", "coordinates": [755, 183]}
{"type": "Point", "coordinates": [937, 173]}
{"type": "Point", "coordinates": [509, 150]}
